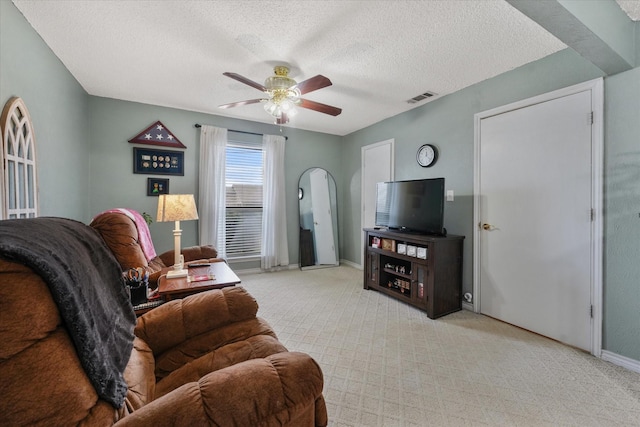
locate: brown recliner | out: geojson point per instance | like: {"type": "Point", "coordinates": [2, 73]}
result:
{"type": "Point", "coordinates": [202, 360]}
{"type": "Point", "coordinates": [121, 235]}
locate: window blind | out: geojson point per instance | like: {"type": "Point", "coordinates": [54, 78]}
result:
{"type": "Point", "coordinates": [243, 181]}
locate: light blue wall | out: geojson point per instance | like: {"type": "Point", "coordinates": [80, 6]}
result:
{"type": "Point", "coordinates": [609, 22]}
{"type": "Point", "coordinates": [58, 106]}
{"type": "Point", "coordinates": [637, 31]}
{"type": "Point", "coordinates": [86, 165]}
{"type": "Point", "coordinates": [448, 123]}
{"type": "Point", "coordinates": [621, 329]}
{"type": "Point", "coordinates": [113, 183]}
{"type": "Point", "coordinates": [85, 160]}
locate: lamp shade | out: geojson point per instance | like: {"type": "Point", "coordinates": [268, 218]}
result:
{"type": "Point", "coordinates": [176, 207]}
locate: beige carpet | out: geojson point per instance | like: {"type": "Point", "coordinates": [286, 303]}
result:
{"type": "Point", "coordinates": [387, 364]}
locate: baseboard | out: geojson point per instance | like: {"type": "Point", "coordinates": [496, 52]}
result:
{"type": "Point", "coordinates": [625, 362]}
{"type": "Point", "coordinates": [351, 264]}
{"type": "Point", "coordinates": [467, 306]}
{"type": "Point", "coordinates": [258, 270]}
{"type": "Point", "coordinates": [245, 271]}
{"type": "Point", "coordinates": [294, 267]}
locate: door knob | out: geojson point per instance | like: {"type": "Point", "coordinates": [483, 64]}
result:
{"type": "Point", "coordinates": [487, 227]}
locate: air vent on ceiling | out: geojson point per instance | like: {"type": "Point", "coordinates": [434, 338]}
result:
{"type": "Point", "coordinates": [421, 97]}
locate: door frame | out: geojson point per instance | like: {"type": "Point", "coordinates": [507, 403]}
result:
{"type": "Point", "coordinates": [596, 88]}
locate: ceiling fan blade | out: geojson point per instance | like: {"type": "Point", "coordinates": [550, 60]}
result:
{"type": "Point", "coordinates": [239, 103]}
{"type": "Point", "coordinates": [322, 108]}
{"type": "Point", "coordinates": [246, 81]}
{"type": "Point", "coordinates": [314, 83]}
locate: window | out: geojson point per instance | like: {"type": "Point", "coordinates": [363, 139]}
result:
{"type": "Point", "coordinates": [18, 189]}
{"type": "Point", "coordinates": [244, 166]}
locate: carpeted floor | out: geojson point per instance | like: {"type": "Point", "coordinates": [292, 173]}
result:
{"type": "Point", "coordinates": [387, 364]}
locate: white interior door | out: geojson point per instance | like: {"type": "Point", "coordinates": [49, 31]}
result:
{"type": "Point", "coordinates": [535, 205]}
{"type": "Point", "coordinates": [322, 218]}
{"type": "Point", "coordinates": [377, 166]}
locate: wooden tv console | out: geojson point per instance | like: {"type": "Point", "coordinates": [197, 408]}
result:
{"type": "Point", "coordinates": [422, 270]}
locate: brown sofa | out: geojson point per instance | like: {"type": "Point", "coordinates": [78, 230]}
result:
{"type": "Point", "coordinates": [203, 360]}
{"type": "Point", "coordinates": [121, 235]}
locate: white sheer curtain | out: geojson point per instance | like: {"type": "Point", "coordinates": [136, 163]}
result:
{"type": "Point", "coordinates": [212, 194]}
{"type": "Point", "coordinates": [275, 249]}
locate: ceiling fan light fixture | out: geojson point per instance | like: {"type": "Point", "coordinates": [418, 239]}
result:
{"type": "Point", "coordinates": [284, 95]}
{"type": "Point", "coordinates": [287, 105]}
{"type": "Point", "coordinates": [271, 107]}
{"type": "Point", "coordinates": [285, 109]}
{"type": "Point", "coordinates": [281, 79]}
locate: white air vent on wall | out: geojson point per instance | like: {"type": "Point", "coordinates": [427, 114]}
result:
{"type": "Point", "coordinates": [419, 98]}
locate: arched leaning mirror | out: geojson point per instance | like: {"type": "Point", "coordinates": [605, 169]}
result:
{"type": "Point", "coordinates": [317, 200]}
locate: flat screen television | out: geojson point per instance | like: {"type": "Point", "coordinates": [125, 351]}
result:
{"type": "Point", "coordinates": [411, 206]}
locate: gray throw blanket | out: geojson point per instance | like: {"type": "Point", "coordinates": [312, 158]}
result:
{"type": "Point", "coordinates": [88, 288]}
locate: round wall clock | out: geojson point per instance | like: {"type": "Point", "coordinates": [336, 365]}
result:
{"type": "Point", "coordinates": [427, 155]}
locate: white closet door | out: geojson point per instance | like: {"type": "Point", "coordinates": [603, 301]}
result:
{"type": "Point", "coordinates": [535, 201]}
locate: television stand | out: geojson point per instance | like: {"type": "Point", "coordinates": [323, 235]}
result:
{"type": "Point", "coordinates": [424, 271]}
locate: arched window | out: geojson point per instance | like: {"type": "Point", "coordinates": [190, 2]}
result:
{"type": "Point", "coordinates": [18, 185]}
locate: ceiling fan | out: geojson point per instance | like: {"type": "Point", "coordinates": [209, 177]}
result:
{"type": "Point", "coordinates": [283, 94]}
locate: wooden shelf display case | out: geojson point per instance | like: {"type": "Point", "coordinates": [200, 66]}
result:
{"type": "Point", "coordinates": [422, 270]}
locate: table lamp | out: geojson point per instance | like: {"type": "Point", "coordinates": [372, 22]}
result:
{"type": "Point", "coordinates": [177, 207]}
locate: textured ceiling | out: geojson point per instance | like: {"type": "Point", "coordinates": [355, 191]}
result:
{"type": "Point", "coordinates": [631, 8]}
{"type": "Point", "coordinates": [378, 54]}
